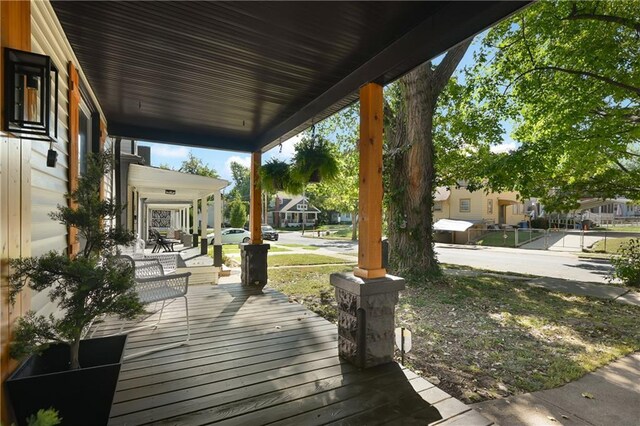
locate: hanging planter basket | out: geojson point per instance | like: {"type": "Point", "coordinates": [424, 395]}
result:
{"type": "Point", "coordinates": [315, 160]}
{"type": "Point", "coordinates": [275, 175]}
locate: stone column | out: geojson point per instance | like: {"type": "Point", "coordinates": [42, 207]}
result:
{"type": "Point", "coordinates": [217, 229]}
{"type": "Point", "coordinates": [366, 317]}
{"type": "Point", "coordinates": [194, 214]}
{"type": "Point", "coordinates": [204, 214]}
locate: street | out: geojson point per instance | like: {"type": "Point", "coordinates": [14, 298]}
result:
{"type": "Point", "coordinates": [534, 262]}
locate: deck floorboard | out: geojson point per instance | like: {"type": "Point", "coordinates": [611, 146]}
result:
{"type": "Point", "coordinates": [258, 359]}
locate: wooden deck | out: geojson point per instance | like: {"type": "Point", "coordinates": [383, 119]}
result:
{"type": "Point", "coordinates": [258, 359]}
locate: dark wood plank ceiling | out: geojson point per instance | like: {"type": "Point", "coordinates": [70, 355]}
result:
{"type": "Point", "coordinates": [245, 75]}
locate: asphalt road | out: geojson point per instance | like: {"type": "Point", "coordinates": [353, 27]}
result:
{"type": "Point", "coordinates": [534, 262]}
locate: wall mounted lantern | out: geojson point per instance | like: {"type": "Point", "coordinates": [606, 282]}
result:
{"type": "Point", "coordinates": [30, 83]}
{"type": "Point", "coordinates": [170, 191]}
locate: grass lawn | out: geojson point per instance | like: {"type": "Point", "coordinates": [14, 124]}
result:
{"type": "Point", "coordinates": [302, 246]}
{"type": "Point", "coordinates": [612, 245]}
{"type": "Point", "coordinates": [619, 228]}
{"type": "Point", "coordinates": [233, 249]}
{"type": "Point", "coordinates": [496, 238]}
{"type": "Point", "coordinates": [487, 336]}
{"type": "Point", "coordinates": [303, 259]}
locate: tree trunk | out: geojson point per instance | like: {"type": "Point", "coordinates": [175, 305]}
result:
{"type": "Point", "coordinates": [354, 225]}
{"type": "Point", "coordinates": [412, 179]}
{"type": "Point", "coordinates": [411, 157]}
{"type": "Point", "coordinates": [74, 354]}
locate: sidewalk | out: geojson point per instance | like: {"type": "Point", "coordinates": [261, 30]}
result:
{"type": "Point", "coordinates": [608, 396]}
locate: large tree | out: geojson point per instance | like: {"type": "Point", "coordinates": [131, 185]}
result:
{"type": "Point", "coordinates": [410, 163]}
{"type": "Point", "coordinates": [242, 181]}
{"type": "Point", "coordinates": [565, 76]}
{"type": "Point", "coordinates": [196, 166]}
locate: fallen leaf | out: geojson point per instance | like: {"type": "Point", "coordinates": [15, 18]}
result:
{"type": "Point", "coordinates": [565, 417]}
{"type": "Point", "coordinates": [587, 395]}
{"type": "Point", "coordinates": [552, 418]}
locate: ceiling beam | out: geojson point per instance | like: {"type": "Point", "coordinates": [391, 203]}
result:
{"type": "Point", "coordinates": [180, 137]}
{"type": "Point", "coordinates": [449, 26]}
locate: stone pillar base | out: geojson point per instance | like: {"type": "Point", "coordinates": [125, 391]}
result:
{"type": "Point", "coordinates": [217, 255]}
{"type": "Point", "coordinates": [203, 246]}
{"type": "Point", "coordinates": [253, 269]}
{"type": "Point", "coordinates": [366, 317]}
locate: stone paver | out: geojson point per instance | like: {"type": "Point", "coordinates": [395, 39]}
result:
{"type": "Point", "coordinates": [616, 400]}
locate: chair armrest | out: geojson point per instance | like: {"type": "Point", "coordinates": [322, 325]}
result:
{"type": "Point", "coordinates": [156, 289]}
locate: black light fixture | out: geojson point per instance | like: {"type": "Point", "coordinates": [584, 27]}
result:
{"type": "Point", "coordinates": [170, 191]}
{"type": "Point", "coordinates": [30, 82]}
{"type": "Point", "coordinates": [52, 156]}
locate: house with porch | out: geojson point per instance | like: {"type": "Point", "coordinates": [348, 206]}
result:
{"type": "Point", "coordinates": [83, 76]}
{"type": "Point", "coordinates": [457, 210]}
{"type": "Point", "coordinates": [292, 212]}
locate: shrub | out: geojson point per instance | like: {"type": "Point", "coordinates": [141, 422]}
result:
{"type": "Point", "coordinates": [540, 223]}
{"type": "Point", "coordinates": [626, 263]}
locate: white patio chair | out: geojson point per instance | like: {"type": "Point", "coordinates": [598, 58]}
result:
{"type": "Point", "coordinates": [153, 286]}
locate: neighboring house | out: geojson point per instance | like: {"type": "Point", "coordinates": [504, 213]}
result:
{"type": "Point", "coordinates": [291, 211]}
{"type": "Point", "coordinates": [337, 217]}
{"type": "Point", "coordinates": [459, 209]}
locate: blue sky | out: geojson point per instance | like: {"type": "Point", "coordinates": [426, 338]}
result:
{"type": "Point", "coordinates": [173, 155]}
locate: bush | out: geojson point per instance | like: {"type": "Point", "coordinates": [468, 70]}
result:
{"type": "Point", "coordinates": [540, 223]}
{"type": "Point", "coordinates": [626, 263]}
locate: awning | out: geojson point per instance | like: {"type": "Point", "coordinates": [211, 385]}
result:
{"type": "Point", "coordinates": [453, 225]}
{"type": "Point", "coordinates": [507, 202]}
{"type": "Point", "coordinates": [442, 194]}
{"type": "Point", "coordinates": [160, 186]}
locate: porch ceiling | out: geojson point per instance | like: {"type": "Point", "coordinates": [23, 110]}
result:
{"type": "Point", "coordinates": [242, 75]}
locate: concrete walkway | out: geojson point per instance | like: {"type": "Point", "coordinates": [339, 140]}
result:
{"type": "Point", "coordinates": [608, 396]}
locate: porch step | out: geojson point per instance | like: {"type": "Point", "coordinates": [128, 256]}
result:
{"type": "Point", "coordinates": [201, 274]}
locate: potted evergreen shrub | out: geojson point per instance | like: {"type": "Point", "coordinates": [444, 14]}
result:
{"type": "Point", "coordinates": [315, 159]}
{"type": "Point", "coordinates": [77, 377]}
{"type": "Point", "coordinates": [275, 176]}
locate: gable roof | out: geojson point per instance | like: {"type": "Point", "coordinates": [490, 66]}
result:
{"type": "Point", "coordinates": [295, 201]}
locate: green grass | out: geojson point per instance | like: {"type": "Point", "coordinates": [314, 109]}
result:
{"type": "Point", "coordinates": [611, 246]}
{"type": "Point", "coordinates": [497, 238]}
{"type": "Point", "coordinates": [233, 249]}
{"type": "Point", "coordinates": [303, 259]}
{"type": "Point", "coordinates": [302, 246]}
{"type": "Point", "coordinates": [619, 228]}
{"type": "Point", "coordinates": [478, 334]}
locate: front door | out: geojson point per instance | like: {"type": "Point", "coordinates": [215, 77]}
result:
{"type": "Point", "coordinates": [502, 214]}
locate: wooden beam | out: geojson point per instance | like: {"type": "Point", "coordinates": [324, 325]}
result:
{"type": "Point", "coordinates": [255, 205]}
{"type": "Point", "coordinates": [370, 175]}
{"type": "Point", "coordinates": [74, 122]}
{"type": "Point", "coordinates": [15, 193]}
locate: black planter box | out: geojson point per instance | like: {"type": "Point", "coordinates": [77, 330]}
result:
{"type": "Point", "coordinates": [82, 397]}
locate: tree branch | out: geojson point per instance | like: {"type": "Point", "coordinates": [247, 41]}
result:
{"type": "Point", "coordinates": [445, 69]}
{"type": "Point", "coordinates": [629, 23]}
{"type": "Point", "coordinates": [598, 77]}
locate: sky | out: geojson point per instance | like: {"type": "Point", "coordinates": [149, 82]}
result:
{"type": "Point", "coordinates": [173, 155]}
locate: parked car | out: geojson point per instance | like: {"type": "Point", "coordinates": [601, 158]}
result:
{"type": "Point", "coordinates": [268, 233]}
{"type": "Point", "coordinates": [231, 236]}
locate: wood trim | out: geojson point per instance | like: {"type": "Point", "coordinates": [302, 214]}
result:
{"type": "Point", "coordinates": [255, 204]}
{"type": "Point", "coordinates": [370, 177]}
{"type": "Point", "coordinates": [74, 123]}
{"type": "Point", "coordinates": [15, 193]}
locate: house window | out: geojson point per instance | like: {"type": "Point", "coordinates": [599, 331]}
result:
{"type": "Point", "coordinates": [437, 206]}
{"type": "Point", "coordinates": [489, 206]}
{"type": "Point", "coordinates": [84, 137]}
{"type": "Point", "coordinates": [465, 205]}
{"type": "Point", "coordinates": [517, 209]}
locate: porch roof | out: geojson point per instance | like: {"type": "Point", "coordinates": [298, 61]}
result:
{"type": "Point", "coordinates": [243, 76]}
{"type": "Point", "coordinates": [160, 186]}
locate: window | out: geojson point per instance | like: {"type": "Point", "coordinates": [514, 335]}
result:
{"type": "Point", "coordinates": [465, 205]}
{"type": "Point", "coordinates": [437, 206]}
{"type": "Point", "coordinates": [489, 206]}
{"type": "Point", "coordinates": [84, 137]}
{"type": "Point", "coordinates": [517, 209]}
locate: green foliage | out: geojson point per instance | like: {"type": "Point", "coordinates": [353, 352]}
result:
{"type": "Point", "coordinates": [196, 166]}
{"type": "Point", "coordinates": [627, 263]}
{"type": "Point", "coordinates": [237, 213]}
{"type": "Point", "coordinates": [564, 75]}
{"type": "Point", "coordinates": [242, 179]}
{"type": "Point", "coordinates": [315, 159]}
{"type": "Point", "coordinates": [91, 284]}
{"type": "Point", "coordinates": [276, 176]}
{"type": "Point", "coordinates": [48, 417]}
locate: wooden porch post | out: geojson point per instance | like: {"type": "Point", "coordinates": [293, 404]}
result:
{"type": "Point", "coordinates": [255, 205]}
{"type": "Point", "coordinates": [74, 127]}
{"type": "Point", "coordinates": [370, 205]}
{"type": "Point", "coordinates": [253, 271]}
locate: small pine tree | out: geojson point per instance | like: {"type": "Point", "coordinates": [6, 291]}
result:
{"type": "Point", "coordinates": [86, 286]}
{"type": "Point", "coordinates": [237, 213]}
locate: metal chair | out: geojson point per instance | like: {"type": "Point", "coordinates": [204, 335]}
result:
{"type": "Point", "coordinates": [152, 286]}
